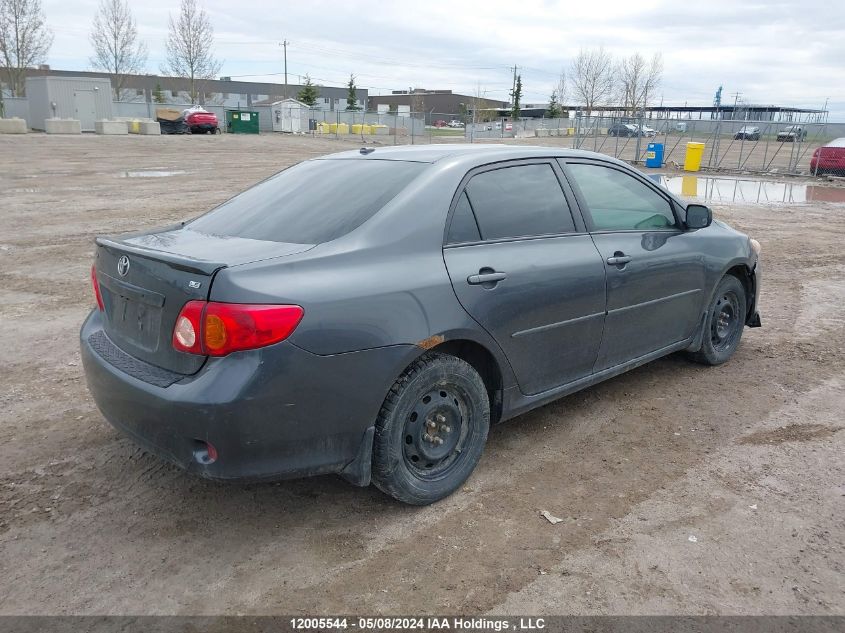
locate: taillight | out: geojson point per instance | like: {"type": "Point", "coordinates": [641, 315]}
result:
{"type": "Point", "coordinates": [96, 285]}
{"type": "Point", "coordinates": [187, 331]}
{"type": "Point", "coordinates": [217, 329]}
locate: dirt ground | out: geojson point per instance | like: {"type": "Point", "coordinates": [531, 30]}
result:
{"type": "Point", "coordinates": [682, 489]}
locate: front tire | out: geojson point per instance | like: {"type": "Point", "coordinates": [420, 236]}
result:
{"type": "Point", "coordinates": [431, 430]}
{"type": "Point", "coordinates": [724, 323]}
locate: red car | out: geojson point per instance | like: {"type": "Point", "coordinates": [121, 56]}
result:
{"type": "Point", "coordinates": [201, 122]}
{"type": "Point", "coordinates": [829, 159]}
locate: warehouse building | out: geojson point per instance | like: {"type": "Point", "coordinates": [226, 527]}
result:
{"type": "Point", "coordinates": [443, 102]}
{"type": "Point", "coordinates": [223, 92]}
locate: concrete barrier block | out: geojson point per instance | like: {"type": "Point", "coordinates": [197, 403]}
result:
{"type": "Point", "coordinates": [563, 131]}
{"type": "Point", "coordinates": [62, 126]}
{"type": "Point", "coordinates": [149, 128]}
{"type": "Point", "coordinates": [381, 130]}
{"type": "Point", "coordinates": [12, 126]}
{"type": "Point", "coordinates": [541, 132]}
{"type": "Point", "coordinates": [111, 128]}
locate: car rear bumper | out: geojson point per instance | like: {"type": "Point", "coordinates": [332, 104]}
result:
{"type": "Point", "coordinates": [274, 413]}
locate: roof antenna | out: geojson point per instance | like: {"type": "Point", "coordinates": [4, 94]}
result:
{"type": "Point", "coordinates": [367, 150]}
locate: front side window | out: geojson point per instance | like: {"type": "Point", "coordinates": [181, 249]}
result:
{"type": "Point", "coordinates": [619, 202]}
{"type": "Point", "coordinates": [519, 201]}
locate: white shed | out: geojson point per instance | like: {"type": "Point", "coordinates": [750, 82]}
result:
{"type": "Point", "coordinates": [288, 115]}
{"type": "Point", "coordinates": [87, 99]}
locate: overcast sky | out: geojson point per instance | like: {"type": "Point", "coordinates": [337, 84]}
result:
{"type": "Point", "coordinates": [773, 52]}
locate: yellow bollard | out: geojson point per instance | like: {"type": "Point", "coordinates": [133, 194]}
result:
{"type": "Point", "coordinates": [692, 160]}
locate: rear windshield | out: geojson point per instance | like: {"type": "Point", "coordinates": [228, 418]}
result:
{"type": "Point", "coordinates": [312, 202]}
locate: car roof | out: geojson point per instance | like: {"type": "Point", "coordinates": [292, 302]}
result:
{"type": "Point", "coordinates": [837, 142]}
{"type": "Point", "coordinates": [434, 153]}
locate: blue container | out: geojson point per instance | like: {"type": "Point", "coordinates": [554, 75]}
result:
{"type": "Point", "coordinates": [654, 155]}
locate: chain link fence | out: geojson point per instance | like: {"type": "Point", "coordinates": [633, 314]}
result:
{"type": "Point", "coordinates": [731, 146]}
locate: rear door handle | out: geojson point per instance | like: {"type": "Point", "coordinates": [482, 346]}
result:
{"type": "Point", "coordinates": [619, 260]}
{"type": "Point", "coordinates": [486, 278]}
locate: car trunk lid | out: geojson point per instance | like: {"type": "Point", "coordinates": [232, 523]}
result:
{"type": "Point", "coordinates": [146, 279]}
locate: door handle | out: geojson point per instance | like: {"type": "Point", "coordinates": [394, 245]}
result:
{"type": "Point", "coordinates": [619, 259]}
{"type": "Point", "coordinates": [486, 278]}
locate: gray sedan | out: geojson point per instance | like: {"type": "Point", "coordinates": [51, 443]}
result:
{"type": "Point", "coordinates": [371, 313]}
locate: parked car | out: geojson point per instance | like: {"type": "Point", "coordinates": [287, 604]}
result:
{"type": "Point", "coordinates": [623, 129]}
{"type": "Point", "coordinates": [829, 159]}
{"type": "Point", "coordinates": [508, 127]}
{"type": "Point", "coordinates": [647, 131]}
{"type": "Point", "coordinates": [455, 123]}
{"type": "Point", "coordinates": [748, 133]}
{"type": "Point", "coordinates": [681, 126]}
{"type": "Point", "coordinates": [792, 133]}
{"type": "Point", "coordinates": [201, 122]}
{"type": "Point", "coordinates": [440, 123]}
{"type": "Point", "coordinates": [377, 327]}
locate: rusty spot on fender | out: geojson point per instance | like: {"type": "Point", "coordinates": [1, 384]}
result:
{"type": "Point", "coordinates": [431, 341]}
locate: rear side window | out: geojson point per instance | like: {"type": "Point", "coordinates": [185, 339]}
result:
{"type": "Point", "coordinates": [619, 202]}
{"type": "Point", "coordinates": [312, 202]}
{"type": "Point", "coordinates": [519, 201]}
{"type": "Point", "coordinates": [463, 227]}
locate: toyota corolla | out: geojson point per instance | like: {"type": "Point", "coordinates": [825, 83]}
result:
{"type": "Point", "coordinates": [371, 313]}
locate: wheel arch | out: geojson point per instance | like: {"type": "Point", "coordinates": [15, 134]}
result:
{"type": "Point", "coordinates": [485, 363]}
{"type": "Point", "coordinates": [748, 279]}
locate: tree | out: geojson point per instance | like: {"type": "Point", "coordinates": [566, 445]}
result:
{"type": "Point", "coordinates": [554, 109]}
{"type": "Point", "coordinates": [115, 41]}
{"type": "Point", "coordinates": [637, 80]}
{"type": "Point", "coordinates": [592, 78]}
{"type": "Point", "coordinates": [158, 94]}
{"type": "Point", "coordinates": [516, 96]}
{"type": "Point", "coordinates": [25, 40]}
{"type": "Point", "coordinates": [309, 93]}
{"type": "Point", "coordinates": [562, 89]}
{"type": "Point", "coordinates": [351, 94]}
{"type": "Point", "coordinates": [189, 48]}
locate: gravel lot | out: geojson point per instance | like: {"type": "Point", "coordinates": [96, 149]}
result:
{"type": "Point", "coordinates": [683, 489]}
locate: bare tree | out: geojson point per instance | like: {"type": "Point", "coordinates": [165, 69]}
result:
{"type": "Point", "coordinates": [653, 78]}
{"type": "Point", "coordinates": [189, 47]}
{"type": "Point", "coordinates": [631, 73]}
{"type": "Point", "coordinates": [591, 77]}
{"type": "Point", "coordinates": [25, 40]}
{"type": "Point", "coordinates": [637, 80]}
{"type": "Point", "coordinates": [562, 88]}
{"type": "Point", "coordinates": [115, 41]}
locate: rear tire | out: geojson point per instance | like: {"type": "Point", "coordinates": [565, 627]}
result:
{"type": "Point", "coordinates": [431, 430]}
{"type": "Point", "coordinates": [724, 323]}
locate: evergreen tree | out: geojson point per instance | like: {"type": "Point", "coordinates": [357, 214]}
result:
{"type": "Point", "coordinates": [309, 93]}
{"type": "Point", "coordinates": [351, 94]}
{"type": "Point", "coordinates": [554, 110]}
{"type": "Point", "coordinates": [158, 94]}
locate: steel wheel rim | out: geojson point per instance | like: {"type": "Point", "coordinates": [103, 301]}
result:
{"type": "Point", "coordinates": [435, 432]}
{"type": "Point", "coordinates": [725, 321]}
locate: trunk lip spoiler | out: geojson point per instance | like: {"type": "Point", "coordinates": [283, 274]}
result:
{"type": "Point", "coordinates": [179, 262]}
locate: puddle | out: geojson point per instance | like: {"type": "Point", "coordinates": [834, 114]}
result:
{"type": "Point", "coordinates": [748, 190]}
{"type": "Point", "coordinates": [150, 174]}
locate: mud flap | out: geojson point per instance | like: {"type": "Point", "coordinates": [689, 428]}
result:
{"type": "Point", "coordinates": [359, 471]}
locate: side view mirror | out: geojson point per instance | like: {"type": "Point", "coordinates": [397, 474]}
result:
{"type": "Point", "coordinates": [699, 216]}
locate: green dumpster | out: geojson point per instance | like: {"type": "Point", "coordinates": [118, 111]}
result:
{"type": "Point", "coordinates": [241, 122]}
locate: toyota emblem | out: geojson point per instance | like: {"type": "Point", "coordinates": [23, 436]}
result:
{"type": "Point", "coordinates": [123, 265]}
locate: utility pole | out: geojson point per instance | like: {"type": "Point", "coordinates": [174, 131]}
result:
{"type": "Point", "coordinates": [513, 86]}
{"type": "Point", "coordinates": [285, 46]}
{"type": "Point", "coordinates": [737, 95]}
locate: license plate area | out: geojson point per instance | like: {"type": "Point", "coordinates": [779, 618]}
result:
{"type": "Point", "coordinates": [133, 313]}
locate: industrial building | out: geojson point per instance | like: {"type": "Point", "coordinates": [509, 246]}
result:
{"type": "Point", "coordinates": [223, 92]}
{"type": "Point", "coordinates": [443, 102]}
